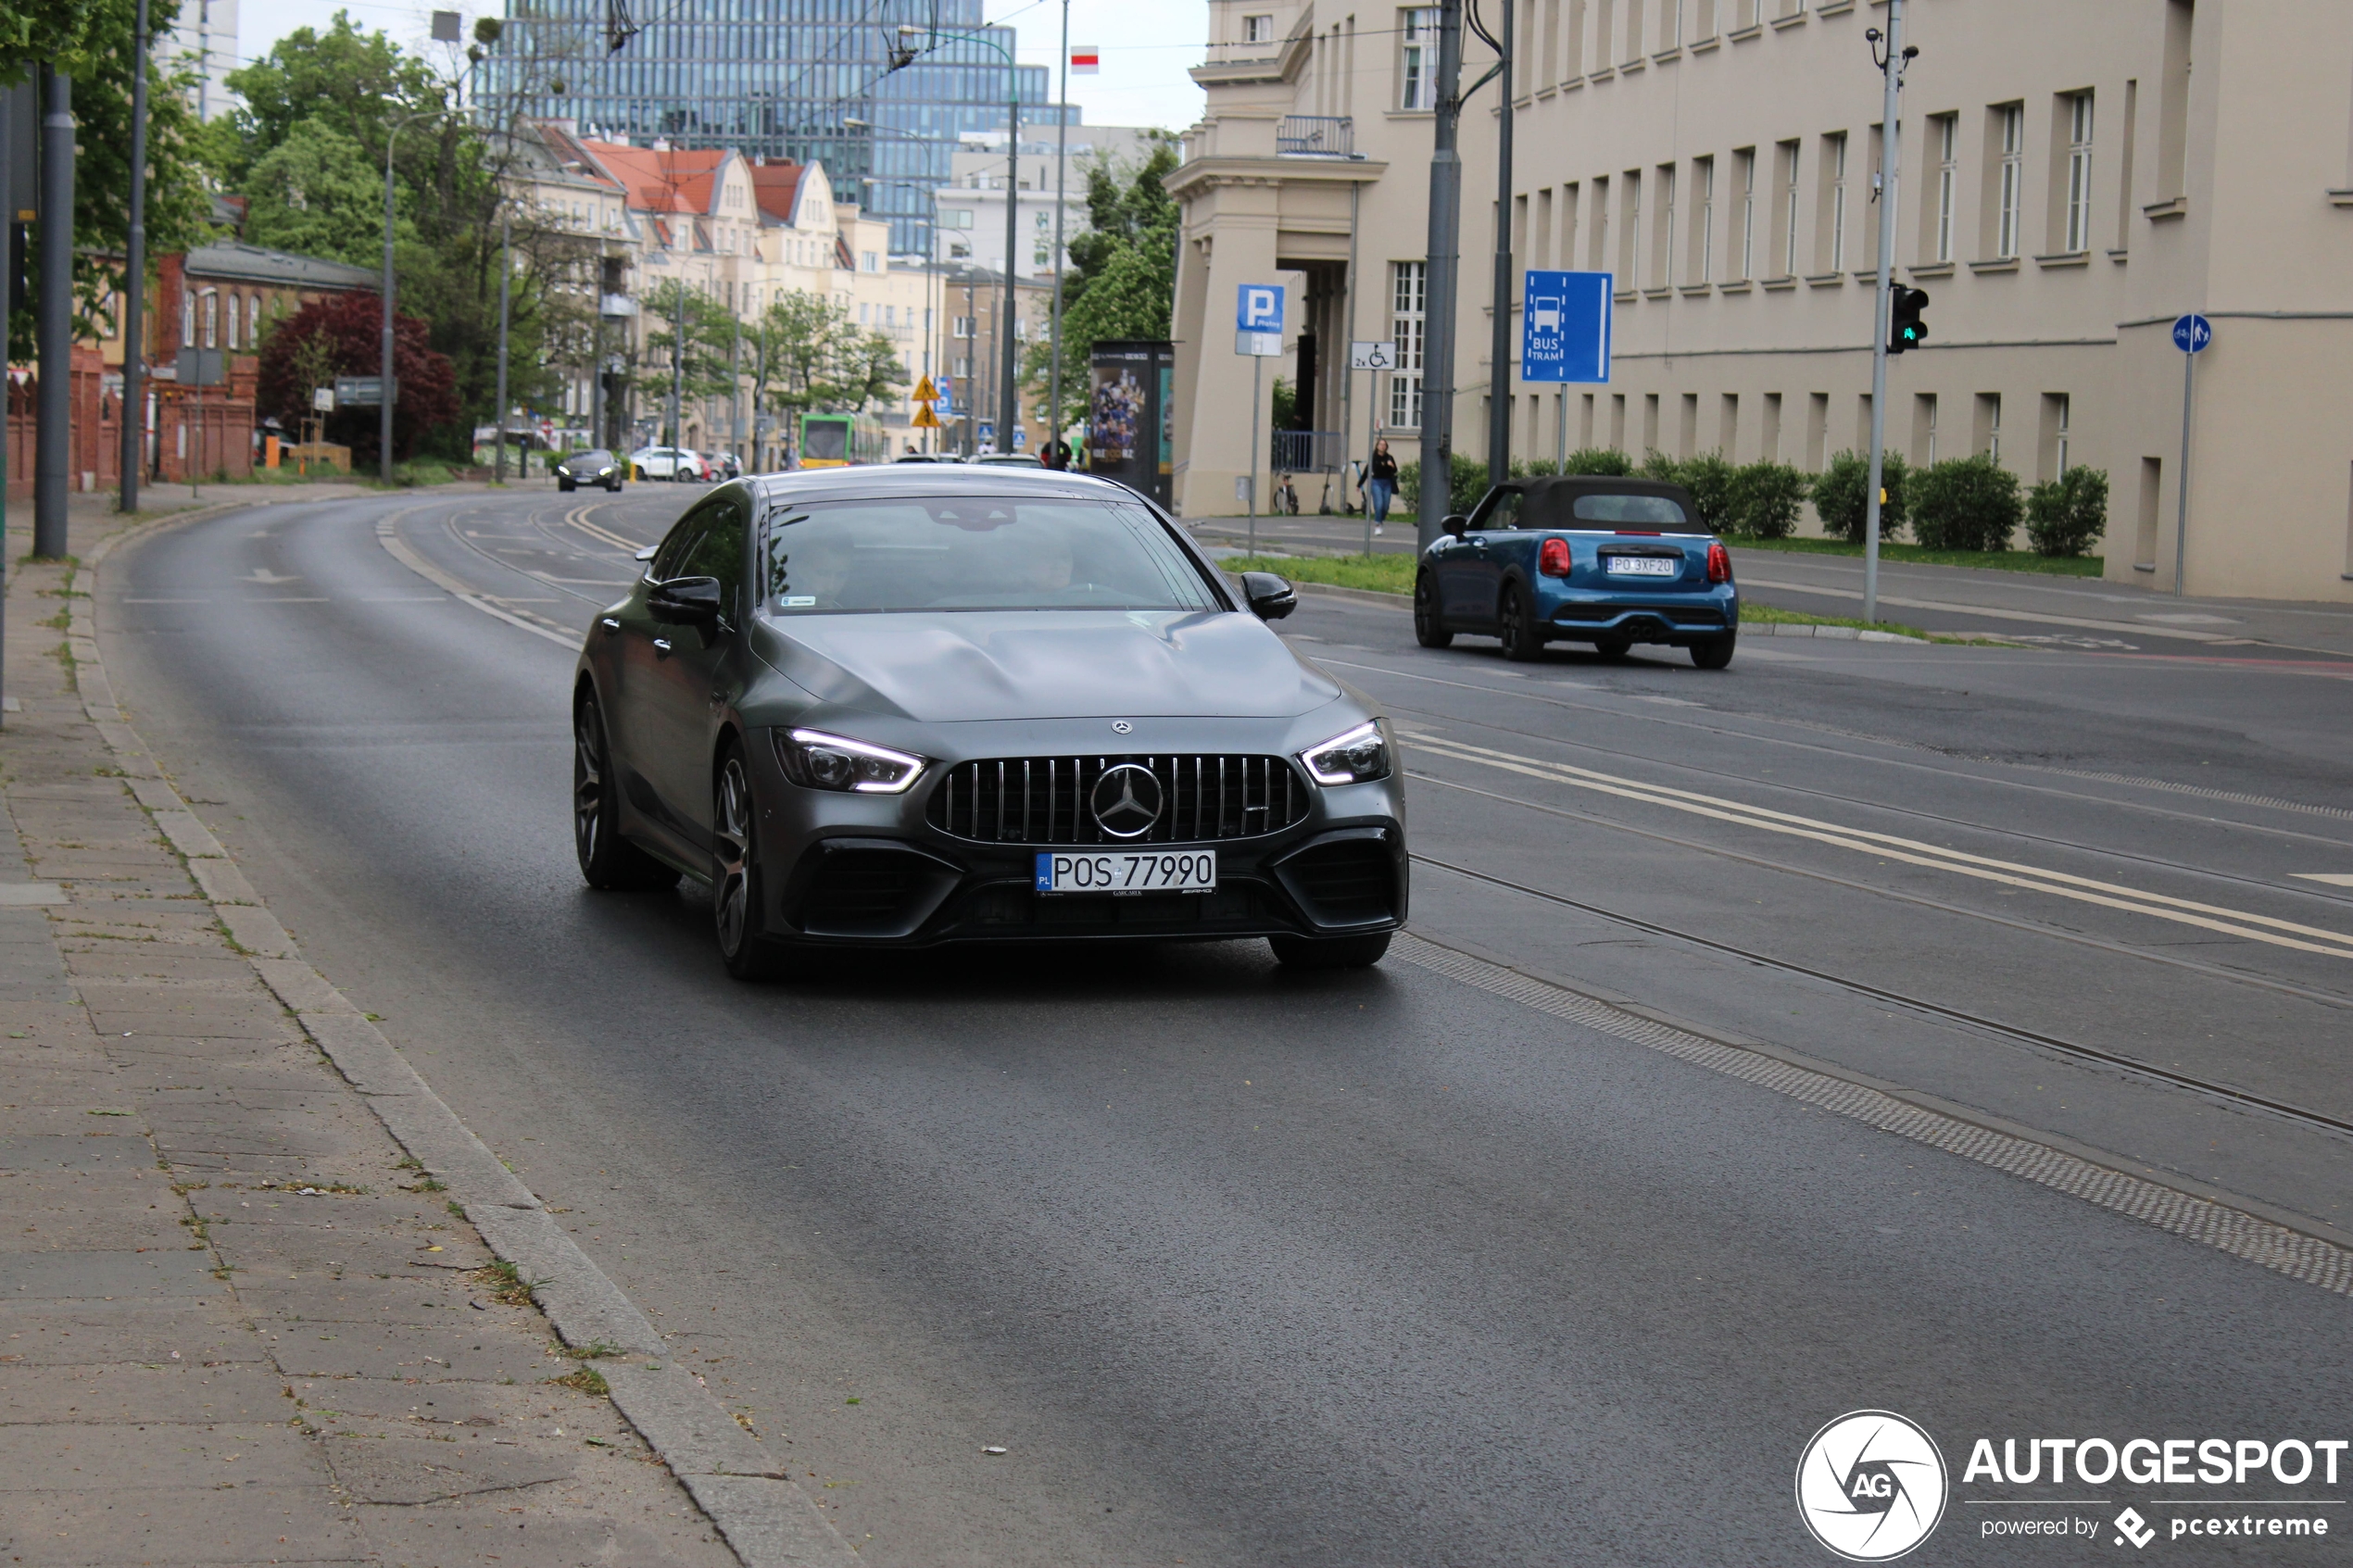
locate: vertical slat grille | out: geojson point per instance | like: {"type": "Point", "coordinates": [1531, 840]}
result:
{"type": "Point", "coordinates": [1204, 798]}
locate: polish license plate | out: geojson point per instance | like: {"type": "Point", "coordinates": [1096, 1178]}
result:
{"type": "Point", "coordinates": [1184, 871]}
{"type": "Point", "coordinates": [1642, 566]}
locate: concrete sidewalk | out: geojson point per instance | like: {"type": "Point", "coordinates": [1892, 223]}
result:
{"type": "Point", "coordinates": [238, 1322]}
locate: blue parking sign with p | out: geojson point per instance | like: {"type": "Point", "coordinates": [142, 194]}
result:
{"type": "Point", "coordinates": [1565, 327]}
{"type": "Point", "coordinates": [1258, 307]}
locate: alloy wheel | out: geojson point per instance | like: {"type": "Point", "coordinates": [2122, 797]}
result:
{"type": "Point", "coordinates": [731, 857]}
{"type": "Point", "coordinates": [587, 778]}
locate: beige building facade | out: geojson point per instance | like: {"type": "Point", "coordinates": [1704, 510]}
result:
{"type": "Point", "coordinates": [2073, 177]}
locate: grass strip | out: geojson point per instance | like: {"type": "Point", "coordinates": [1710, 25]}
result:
{"type": "Point", "coordinates": [1991, 560]}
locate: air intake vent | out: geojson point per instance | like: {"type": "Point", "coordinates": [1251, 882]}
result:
{"type": "Point", "coordinates": [1045, 800]}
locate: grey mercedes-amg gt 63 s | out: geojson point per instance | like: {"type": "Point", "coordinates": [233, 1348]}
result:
{"type": "Point", "coordinates": [894, 706]}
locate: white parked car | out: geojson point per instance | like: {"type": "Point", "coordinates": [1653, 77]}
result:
{"type": "Point", "coordinates": [677, 463]}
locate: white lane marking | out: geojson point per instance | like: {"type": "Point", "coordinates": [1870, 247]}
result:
{"type": "Point", "coordinates": [2184, 634]}
{"type": "Point", "coordinates": [2335, 879]}
{"type": "Point", "coordinates": [267, 578]}
{"type": "Point", "coordinates": [184, 601]}
{"type": "Point", "coordinates": [2184, 911]}
{"type": "Point", "coordinates": [398, 549]}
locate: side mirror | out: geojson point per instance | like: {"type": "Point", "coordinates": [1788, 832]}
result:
{"type": "Point", "coordinates": [1457, 524]}
{"type": "Point", "coordinates": [1269, 597]}
{"type": "Point", "coordinates": [690, 600]}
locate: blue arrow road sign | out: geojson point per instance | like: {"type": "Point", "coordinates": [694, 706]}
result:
{"type": "Point", "coordinates": [2193, 333]}
{"type": "Point", "coordinates": [1258, 307]}
{"type": "Point", "coordinates": [1565, 327]}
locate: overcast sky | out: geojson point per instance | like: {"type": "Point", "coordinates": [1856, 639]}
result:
{"type": "Point", "coordinates": [1146, 48]}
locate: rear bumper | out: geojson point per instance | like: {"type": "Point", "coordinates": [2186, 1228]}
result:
{"type": "Point", "coordinates": [1678, 619]}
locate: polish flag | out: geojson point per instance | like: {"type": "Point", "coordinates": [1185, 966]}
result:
{"type": "Point", "coordinates": [1085, 59]}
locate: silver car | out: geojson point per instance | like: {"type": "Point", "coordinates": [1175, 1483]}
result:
{"type": "Point", "coordinates": [889, 708]}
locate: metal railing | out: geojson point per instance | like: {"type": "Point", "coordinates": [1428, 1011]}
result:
{"type": "Point", "coordinates": [1315, 135]}
{"type": "Point", "coordinates": [1307, 451]}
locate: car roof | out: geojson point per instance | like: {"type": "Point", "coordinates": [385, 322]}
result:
{"type": "Point", "coordinates": [922, 478]}
{"type": "Point", "coordinates": [1601, 484]}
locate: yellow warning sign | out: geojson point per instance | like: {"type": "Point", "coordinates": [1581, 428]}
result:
{"type": "Point", "coordinates": [924, 419]}
{"type": "Point", "coordinates": [925, 391]}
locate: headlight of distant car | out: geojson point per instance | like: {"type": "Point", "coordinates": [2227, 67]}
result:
{"type": "Point", "coordinates": [605, 472]}
{"type": "Point", "coordinates": [1358, 757]}
{"type": "Point", "coordinates": [817, 760]}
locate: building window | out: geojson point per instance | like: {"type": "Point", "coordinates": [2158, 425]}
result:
{"type": "Point", "coordinates": [1948, 135]}
{"type": "Point", "coordinates": [1406, 314]}
{"type": "Point", "coordinates": [1258, 30]}
{"type": "Point", "coordinates": [1703, 230]}
{"type": "Point", "coordinates": [1788, 257]}
{"type": "Point", "coordinates": [963, 328]}
{"type": "Point", "coordinates": [1748, 213]}
{"type": "Point", "coordinates": [236, 310]}
{"type": "Point", "coordinates": [2060, 411]}
{"type": "Point", "coordinates": [2079, 172]}
{"type": "Point", "coordinates": [1838, 201]}
{"type": "Point", "coordinates": [209, 302]}
{"type": "Point", "coordinates": [1417, 58]}
{"type": "Point", "coordinates": [2013, 180]}
{"type": "Point", "coordinates": [964, 369]}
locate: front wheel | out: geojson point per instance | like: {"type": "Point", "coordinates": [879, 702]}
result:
{"type": "Point", "coordinates": [564, 485]}
{"type": "Point", "coordinates": [608, 861]}
{"type": "Point", "coordinates": [1427, 630]}
{"type": "Point", "coordinates": [1523, 639]}
{"type": "Point", "coordinates": [1715, 653]}
{"type": "Point", "coordinates": [1330, 952]}
{"type": "Point", "coordinates": [736, 879]}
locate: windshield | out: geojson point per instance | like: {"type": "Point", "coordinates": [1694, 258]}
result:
{"type": "Point", "coordinates": [957, 553]}
{"type": "Point", "coordinates": [826, 439]}
{"type": "Point", "coordinates": [591, 455]}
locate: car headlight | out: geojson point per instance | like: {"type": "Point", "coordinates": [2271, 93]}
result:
{"type": "Point", "coordinates": [817, 760]}
{"type": "Point", "coordinates": [605, 472]}
{"type": "Point", "coordinates": [1358, 757]}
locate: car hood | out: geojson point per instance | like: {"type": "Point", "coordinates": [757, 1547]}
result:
{"type": "Point", "coordinates": [1047, 664]}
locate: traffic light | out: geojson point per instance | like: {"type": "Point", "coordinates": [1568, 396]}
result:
{"type": "Point", "coordinates": [1905, 328]}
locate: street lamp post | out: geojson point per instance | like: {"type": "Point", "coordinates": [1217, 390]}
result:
{"type": "Point", "coordinates": [134, 276]}
{"type": "Point", "coordinates": [384, 370]}
{"type": "Point", "coordinates": [1008, 403]}
{"type": "Point", "coordinates": [498, 439]}
{"type": "Point", "coordinates": [1062, 161]}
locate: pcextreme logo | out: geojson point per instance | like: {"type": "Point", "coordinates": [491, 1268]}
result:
{"type": "Point", "coordinates": [1871, 1485]}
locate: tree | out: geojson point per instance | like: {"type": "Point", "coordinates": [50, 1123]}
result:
{"type": "Point", "coordinates": [316, 194]}
{"type": "Point", "coordinates": [350, 328]}
{"type": "Point", "coordinates": [91, 42]}
{"type": "Point", "coordinates": [709, 367]}
{"type": "Point", "coordinates": [868, 368]}
{"type": "Point", "coordinates": [803, 335]}
{"type": "Point", "coordinates": [1122, 282]}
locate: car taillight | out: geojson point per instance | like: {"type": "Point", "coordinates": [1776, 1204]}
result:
{"type": "Point", "coordinates": [1552, 559]}
{"type": "Point", "coordinates": [1720, 564]}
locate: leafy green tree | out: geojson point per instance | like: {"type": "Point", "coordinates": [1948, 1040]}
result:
{"type": "Point", "coordinates": [315, 194]}
{"type": "Point", "coordinates": [91, 41]}
{"type": "Point", "coordinates": [1122, 277]}
{"type": "Point", "coordinates": [708, 368]}
{"type": "Point", "coordinates": [868, 368]}
{"type": "Point", "coordinates": [804, 337]}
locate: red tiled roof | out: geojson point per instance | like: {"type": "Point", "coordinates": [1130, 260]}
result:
{"type": "Point", "coordinates": [676, 181]}
{"type": "Point", "coordinates": [775, 186]}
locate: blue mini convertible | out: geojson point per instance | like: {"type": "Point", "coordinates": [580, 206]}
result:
{"type": "Point", "coordinates": [1580, 558]}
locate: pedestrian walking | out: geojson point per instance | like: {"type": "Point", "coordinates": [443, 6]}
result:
{"type": "Point", "coordinates": [1380, 483]}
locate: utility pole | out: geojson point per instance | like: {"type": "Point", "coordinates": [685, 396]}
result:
{"type": "Point", "coordinates": [1891, 65]}
{"type": "Point", "coordinates": [1061, 155]}
{"type": "Point", "coordinates": [134, 278]}
{"type": "Point", "coordinates": [678, 370]}
{"type": "Point", "coordinates": [1009, 400]}
{"type": "Point", "coordinates": [506, 274]}
{"type": "Point", "coordinates": [53, 451]}
{"type": "Point", "coordinates": [1438, 281]}
{"type": "Point", "coordinates": [1499, 352]}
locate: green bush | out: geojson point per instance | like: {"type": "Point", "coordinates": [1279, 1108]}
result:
{"type": "Point", "coordinates": [1965, 504]}
{"type": "Point", "coordinates": [1470, 483]}
{"type": "Point", "coordinates": [1598, 459]}
{"type": "Point", "coordinates": [1660, 466]}
{"type": "Point", "coordinates": [1762, 500]}
{"type": "Point", "coordinates": [1710, 478]}
{"type": "Point", "coordinates": [2064, 515]}
{"type": "Point", "coordinates": [1841, 494]}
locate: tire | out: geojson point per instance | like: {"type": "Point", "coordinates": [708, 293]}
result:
{"type": "Point", "coordinates": [608, 861]}
{"type": "Point", "coordinates": [737, 885]}
{"type": "Point", "coordinates": [564, 485]}
{"type": "Point", "coordinates": [613, 486]}
{"type": "Point", "coordinates": [1716, 652]}
{"type": "Point", "coordinates": [1523, 638]}
{"type": "Point", "coordinates": [1330, 952]}
{"type": "Point", "coordinates": [1613, 647]}
{"type": "Point", "coordinates": [1426, 630]}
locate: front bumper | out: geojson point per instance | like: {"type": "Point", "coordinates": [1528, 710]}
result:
{"type": "Point", "coordinates": [872, 871]}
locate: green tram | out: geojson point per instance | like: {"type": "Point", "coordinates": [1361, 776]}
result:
{"type": "Point", "coordinates": [837, 441]}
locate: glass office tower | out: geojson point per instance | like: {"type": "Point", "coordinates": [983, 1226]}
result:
{"type": "Point", "coordinates": [777, 79]}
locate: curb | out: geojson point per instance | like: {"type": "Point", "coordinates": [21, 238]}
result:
{"type": "Point", "coordinates": [764, 1518]}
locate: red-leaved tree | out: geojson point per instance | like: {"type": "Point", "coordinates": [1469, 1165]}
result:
{"type": "Point", "coordinates": [347, 331]}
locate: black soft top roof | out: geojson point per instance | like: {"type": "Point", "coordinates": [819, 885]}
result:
{"type": "Point", "coordinates": [1551, 497]}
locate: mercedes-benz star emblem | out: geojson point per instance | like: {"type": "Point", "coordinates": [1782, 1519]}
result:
{"type": "Point", "coordinates": [1120, 726]}
{"type": "Point", "coordinates": [1126, 800]}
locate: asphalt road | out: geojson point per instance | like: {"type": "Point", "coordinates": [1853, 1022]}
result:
{"type": "Point", "coordinates": [1251, 1268]}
